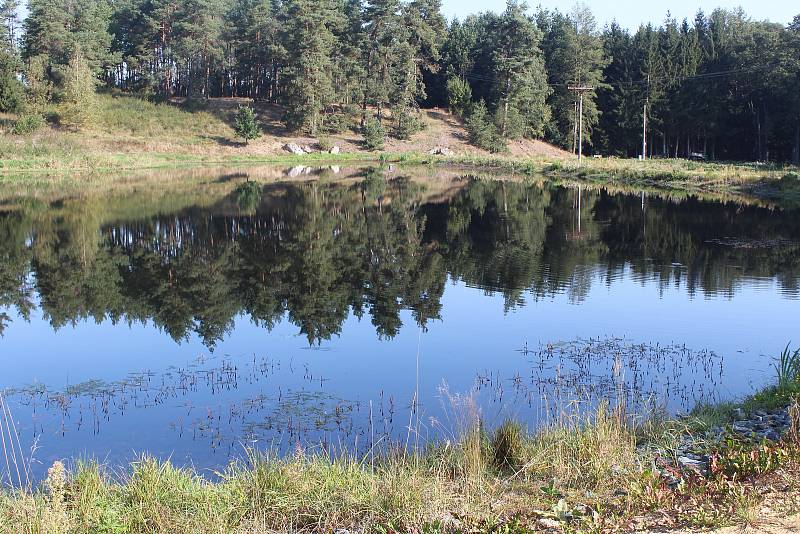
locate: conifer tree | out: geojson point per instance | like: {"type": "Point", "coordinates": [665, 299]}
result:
{"type": "Point", "coordinates": [10, 21]}
{"type": "Point", "coordinates": [381, 24]}
{"type": "Point", "coordinates": [520, 81]}
{"type": "Point", "coordinates": [574, 57]}
{"type": "Point", "coordinates": [246, 125]}
{"type": "Point", "coordinates": [11, 90]}
{"type": "Point", "coordinates": [309, 32]}
{"type": "Point", "coordinates": [56, 29]}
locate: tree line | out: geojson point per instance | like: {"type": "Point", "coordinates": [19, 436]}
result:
{"type": "Point", "coordinates": [722, 84]}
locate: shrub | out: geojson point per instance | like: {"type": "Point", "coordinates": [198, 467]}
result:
{"type": "Point", "coordinates": [374, 135]}
{"type": "Point", "coordinates": [483, 132]}
{"type": "Point", "coordinates": [459, 96]}
{"type": "Point", "coordinates": [334, 123]}
{"type": "Point", "coordinates": [407, 123]}
{"type": "Point", "coordinates": [324, 144]}
{"type": "Point", "coordinates": [246, 125]}
{"type": "Point", "coordinates": [28, 123]}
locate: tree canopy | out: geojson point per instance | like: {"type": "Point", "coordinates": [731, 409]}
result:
{"type": "Point", "coordinates": [722, 84]}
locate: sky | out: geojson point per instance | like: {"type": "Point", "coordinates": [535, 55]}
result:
{"type": "Point", "coordinates": [631, 13]}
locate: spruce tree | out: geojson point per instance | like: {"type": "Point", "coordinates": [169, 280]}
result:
{"type": "Point", "coordinates": [459, 96]}
{"type": "Point", "coordinates": [483, 132]}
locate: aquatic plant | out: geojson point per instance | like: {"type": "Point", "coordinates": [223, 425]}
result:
{"type": "Point", "coordinates": [788, 368]}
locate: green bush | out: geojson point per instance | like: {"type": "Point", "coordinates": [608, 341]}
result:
{"type": "Point", "coordinates": [27, 124]}
{"type": "Point", "coordinates": [374, 135]}
{"type": "Point", "coordinates": [246, 124]}
{"type": "Point", "coordinates": [334, 123]}
{"type": "Point", "coordinates": [515, 124]}
{"type": "Point", "coordinates": [459, 96]}
{"type": "Point", "coordinates": [407, 123]}
{"type": "Point", "coordinates": [483, 132]}
{"type": "Point", "coordinates": [324, 144]}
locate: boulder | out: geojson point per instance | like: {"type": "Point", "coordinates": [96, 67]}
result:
{"type": "Point", "coordinates": [294, 148]}
{"type": "Point", "coordinates": [440, 151]}
{"type": "Point", "coordinates": [335, 150]}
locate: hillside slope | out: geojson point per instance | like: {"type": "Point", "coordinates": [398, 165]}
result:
{"type": "Point", "coordinates": [128, 125]}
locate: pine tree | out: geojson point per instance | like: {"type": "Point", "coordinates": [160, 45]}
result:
{"type": "Point", "coordinates": [792, 67]}
{"type": "Point", "coordinates": [520, 82]}
{"type": "Point", "coordinates": [10, 22]}
{"type": "Point", "coordinates": [198, 38]}
{"type": "Point", "coordinates": [246, 124]}
{"type": "Point", "coordinates": [381, 24]}
{"type": "Point", "coordinates": [11, 90]}
{"type": "Point", "coordinates": [57, 29]}
{"type": "Point", "coordinates": [575, 57]}
{"type": "Point", "coordinates": [309, 87]}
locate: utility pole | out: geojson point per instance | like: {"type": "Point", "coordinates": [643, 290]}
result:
{"type": "Point", "coordinates": [580, 90]}
{"type": "Point", "coordinates": [644, 121]}
{"type": "Point", "coordinates": [644, 132]}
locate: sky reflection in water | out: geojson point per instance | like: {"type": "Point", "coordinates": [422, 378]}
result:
{"type": "Point", "coordinates": [279, 313]}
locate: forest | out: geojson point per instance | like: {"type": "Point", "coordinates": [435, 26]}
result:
{"type": "Point", "coordinates": [721, 86]}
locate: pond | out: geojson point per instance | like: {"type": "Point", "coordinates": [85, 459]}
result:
{"type": "Point", "coordinates": [346, 309]}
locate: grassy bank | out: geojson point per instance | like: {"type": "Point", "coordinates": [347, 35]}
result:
{"type": "Point", "coordinates": [132, 134]}
{"type": "Point", "coordinates": [593, 473]}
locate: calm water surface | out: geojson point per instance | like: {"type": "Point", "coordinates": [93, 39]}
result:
{"type": "Point", "coordinates": [193, 323]}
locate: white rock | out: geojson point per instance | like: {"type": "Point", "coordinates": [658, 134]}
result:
{"type": "Point", "coordinates": [335, 150]}
{"type": "Point", "coordinates": [440, 151]}
{"type": "Point", "coordinates": [294, 148]}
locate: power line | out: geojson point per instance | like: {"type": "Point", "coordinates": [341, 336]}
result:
{"type": "Point", "coordinates": [644, 81]}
